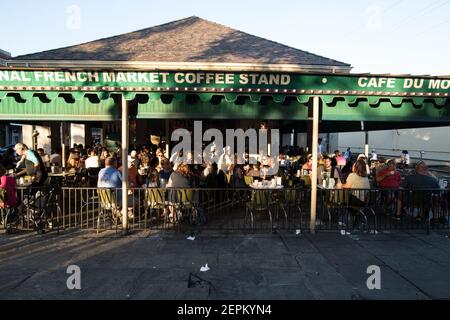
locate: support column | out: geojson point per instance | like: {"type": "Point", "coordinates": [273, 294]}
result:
{"type": "Point", "coordinates": [124, 150]}
{"type": "Point", "coordinates": [315, 138]}
{"type": "Point", "coordinates": [309, 129]}
{"type": "Point", "coordinates": [366, 147]}
{"type": "Point", "coordinates": [62, 134]}
{"type": "Point", "coordinates": [167, 135]}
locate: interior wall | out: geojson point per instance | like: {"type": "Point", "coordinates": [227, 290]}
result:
{"type": "Point", "coordinates": [433, 141]}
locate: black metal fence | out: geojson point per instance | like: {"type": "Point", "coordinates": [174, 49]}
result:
{"type": "Point", "coordinates": [188, 210]}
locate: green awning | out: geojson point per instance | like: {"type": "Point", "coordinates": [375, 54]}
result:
{"type": "Point", "coordinates": [87, 95]}
{"type": "Point", "coordinates": [218, 107]}
{"type": "Point", "coordinates": [386, 109]}
{"type": "Point", "coordinates": [12, 108]}
{"type": "Point", "coordinates": [101, 107]}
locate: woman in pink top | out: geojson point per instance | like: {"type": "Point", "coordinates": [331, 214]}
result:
{"type": "Point", "coordinates": [8, 183]}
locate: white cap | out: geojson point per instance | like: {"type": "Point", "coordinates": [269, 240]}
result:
{"type": "Point", "coordinates": [133, 154]}
{"type": "Point", "coordinates": [361, 155]}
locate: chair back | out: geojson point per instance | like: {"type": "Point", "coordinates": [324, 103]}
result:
{"type": "Point", "coordinates": [108, 198]}
{"type": "Point", "coordinates": [187, 196]}
{"type": "Point", "coordinates": [155, 197]}
{"type": "Point", "coordinates": [291, 195]}
{"type": "Point", "coordinates": [260, 199]}
{"type": "Point", "coordinates": [248, 180]}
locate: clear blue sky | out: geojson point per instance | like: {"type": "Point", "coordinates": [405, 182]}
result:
{"type": "Point", "coordinates": [377, 36]}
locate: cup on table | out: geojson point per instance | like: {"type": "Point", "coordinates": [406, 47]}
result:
{"type": "Point", "coordinates": [21, 180]}
{"type": "Point", "coordinates": [278, 181]}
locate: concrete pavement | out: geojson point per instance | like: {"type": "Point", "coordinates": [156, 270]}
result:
{"type": "Point", "coordinates": [147, 265]}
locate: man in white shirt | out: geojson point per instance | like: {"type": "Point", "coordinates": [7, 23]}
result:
{"type": "Point", "coordinates": [374, 156]}
{"type": "Point", "coordinates": [93, 160]}
{"type": "Point", "coordinates": [406, 160]}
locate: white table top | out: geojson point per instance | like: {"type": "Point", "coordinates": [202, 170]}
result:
{"type": "Point", "coordinates": [60, 174]}
{"type": "Point", "coordinates": [268, 187]}
{"type": "Point", "coordinates": [24, 185]}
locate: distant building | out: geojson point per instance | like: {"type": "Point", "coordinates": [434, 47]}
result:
{"type": "Point", "coordinates": [5, 55]}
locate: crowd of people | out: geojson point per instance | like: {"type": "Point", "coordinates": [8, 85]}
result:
{"type": "Point", "coordinates": [149, 167]}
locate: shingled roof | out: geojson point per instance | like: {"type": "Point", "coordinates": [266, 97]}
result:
{"type": "Point", "coordinates": [188, 40]}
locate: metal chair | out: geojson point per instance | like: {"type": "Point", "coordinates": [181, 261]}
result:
{"type": "Point", "coordinates": [292, 200]}
{"type": "Point", "coordinates": [154, 200]}
{"type": "Point", "coordinates": [260, 202]}
{"type": "Point", "coordinates": [108, 206]}
{"type": "Point", "coordinates": [360, 209]}
{"type": "Point", "coordinates": [6, 211]}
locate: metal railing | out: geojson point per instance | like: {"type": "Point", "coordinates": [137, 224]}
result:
{"type": "Point", "coordinates": [383, 209]}
{"type": "Point", "coordinates": [229, 209]}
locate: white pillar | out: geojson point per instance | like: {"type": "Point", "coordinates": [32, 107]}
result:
{"type": "Point", "coordinates": [62, 133]}
{"type": "Point", "coordinates": [315, 138]}
{"type": "Point", "coordinates": [366, 147]}
{"type": "Point", "coordinates": [124, 164]}
{"type": "Point", "coordinates": [167, 134]}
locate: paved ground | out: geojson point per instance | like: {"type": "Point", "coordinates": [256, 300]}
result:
{"type": "Point", "coordinates": [262, 266]}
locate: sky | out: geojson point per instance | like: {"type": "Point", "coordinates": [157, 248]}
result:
{"type": "Point", "coordinates": [376, 36]}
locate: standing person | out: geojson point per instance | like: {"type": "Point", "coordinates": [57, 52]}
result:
{"type": "Point", "coordinates": [34, 165]}
{"type": "Point", "coordinates": [45, 158]}
{"type": "Point", "coordinates": [374, 156]}
{"type": "Point", "coordinates": [340, 159]}
{"type": "Point", "coordinates": [56, 157]}
{"type": "Point", "coordinates": [348, 155]}
{"type": "Point", "coordinates": [320, 147]}
{"type": "Point", "coordinates": [405, 158]}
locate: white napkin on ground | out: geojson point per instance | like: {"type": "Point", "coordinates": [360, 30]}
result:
{"type": "Point", "coordinates": [204, 268]}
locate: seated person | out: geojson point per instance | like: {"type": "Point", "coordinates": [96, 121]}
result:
{"type": "Point", "coordinates": [329, 176]}
{"type": "Point", "coordinates": [307, 166]}
{"type": "Point", "coordinates": [422, 179]}
{"type": "Point", "coordinates": [110, 177]}
{"type": "Point", "coordinates": [358, 180]}
{"type": "Point", "coordinates": [7, 183]}
{"type": "Point", "coordinates": [237, 180]}
{"type": "Point", "coordinates": [165, 172]}
{"type": "Point", "coordinates": [93, 161]}
{"type": "Point", "coordinates": [389, 178]}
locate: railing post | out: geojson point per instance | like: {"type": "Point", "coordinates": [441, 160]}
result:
{"type": "Point", "coordinates": [315, 138]}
